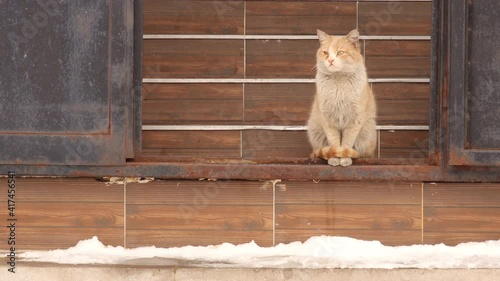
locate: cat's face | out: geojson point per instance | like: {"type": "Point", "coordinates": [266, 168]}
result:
{"type": "Point", "coordinates": [338, 54]}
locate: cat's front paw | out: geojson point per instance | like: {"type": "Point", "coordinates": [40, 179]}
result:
{"type": "Point", "coordinates": [344, 162]}
{"type": "Point", "coordinates": [334, 161]}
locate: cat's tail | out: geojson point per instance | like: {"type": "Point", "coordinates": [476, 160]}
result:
{"type": "Point", "coordinates": [328, 152]}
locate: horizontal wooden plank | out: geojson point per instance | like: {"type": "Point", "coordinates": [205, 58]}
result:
{"type": "Point", "coordinates": [199, 237]}
{"type": "Point", "coordinates": [349, 193]}
{"type": "Point", "coordinates": [203, 91]}
{"type": "Point", "coordinates": [293, 17]}
{"type": "Point", "coordinates": [375, 217]}
{"type": "Point", "coordinates": [404, 144]}
{"type": "Point", "coordinates": [403, 112]}
{"type": "Point", "coordinates": [401, 91]}
{"type": "Point", "coordinates": [261, 144]}
{"type": "Point", "coordinates": [63, 190]}
{"type": "Point", "coordinates": [398, 48]}
{"type": "Point", "coordinates": [462, 194]}
{"type": "Point", "coordinates": [281, 58]}
{"type": "Point", "coordinates": [201, 193]}
{"type": "Point", "coordinates": [455, 219]}
{"type": "Point", "coordinates": [189, 154]}
{"type": "Point", "coordinates": [455, 238]}
{"type": "Point", "coordinates": [77, 215]}
{"type": "Point", "coordinates": [386, 237]}
{"type": "Point", "coordinates": [51, 238]}
{"type": "Point", "coordinates": [278, 104]}
{"type": "Point", "coordinates": [193, 17]}
{"type": "Point", "coordinates": [213, 112]}
{"type": "Point", "coordinates": [397, 59]}
{"type": "Point", "coordinates": [188, 217]}
{"type": "Point", "coordinates": [193, 59]}
{"type": "Point", "coordinates": [395, 18]}
{"type": "Point", "coordinates": [165, 104]}
{"type": "Point", "coordinates": [192, 143]}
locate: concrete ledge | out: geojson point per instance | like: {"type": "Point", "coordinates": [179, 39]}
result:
{"type": "Point", "coordinates": [38, 272]}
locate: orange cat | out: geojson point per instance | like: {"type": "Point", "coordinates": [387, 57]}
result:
{"type": "Point", "coordinates": [342, 121]}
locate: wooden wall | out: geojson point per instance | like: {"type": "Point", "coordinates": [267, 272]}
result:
{"type": "Point", "coordinates": [201, 53]}
{"type": "Point", "coordinates": [57, 213]}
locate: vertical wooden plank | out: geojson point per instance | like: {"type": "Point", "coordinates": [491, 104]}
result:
{"type": "Point", "coordinates": [193, 17]}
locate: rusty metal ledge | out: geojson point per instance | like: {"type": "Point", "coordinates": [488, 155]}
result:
{"type": "Point", "coordinates": [248, 171]}
{"type": "Point", "coordinates": [298, 172]}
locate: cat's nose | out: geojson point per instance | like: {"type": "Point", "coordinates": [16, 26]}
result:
{"type": "Point", "coordinates": [331, 61]}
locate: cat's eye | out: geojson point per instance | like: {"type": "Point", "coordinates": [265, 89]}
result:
{"type": "Point", "coordinates": [339, 53]}
{"type": "Point", "coordinates": [325, 53]}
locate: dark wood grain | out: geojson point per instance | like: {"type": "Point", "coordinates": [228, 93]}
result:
{"type": "Point", "coordinates": [386, 237]}
{"type": "Point", "coordinates": [64, 190]}
{"type": "Point", "coordinates": [404, 144]}
{"type": "Point", "coordinates": [402, 112]}
{"type": "Point", "coordinates": [395, 18]}
{"type": "Point", "coordinates": [397, 59]}
{"type": "Point", "coordinates": [193, 17]}
{"type": "Point", "coordinates": [51, 238]}
{"type": "Point", "coordinates": [201, 193]}
{"type": "Point", "coordinates": [455, 238]}
{"type": "Point", "coordinates": [345, 193]}
{"type": "Point", "coordinates": [401, 91]}
{"type": "Point", "coordinates": [461, 212]}
{"type": "Point", "coordinates": [192, 143]}
{"type": "Point", "coordinates": [260, 144]}
{"type": "Point", "coordinates": [293, 17]}
{"type": "Point", "coordinates": [77, 215]}
{"type": "Point", "coordinates": [202, 91]}
{"type": "Point", "coordinates": [179, 238]}
{"type": "Point", "coordinates": [189, 217]}
{"type": "Point", "coordinates": [374, 217]}
{"type": "Point", "coordinates": [278, 104]}
{"type": "Point", "coordinates": [193, 59]}
{"type": "Point", "coordinates": [402, 103]}
{"type": "Point", "coordinates": [281, 58]}
{"type": "Point", "coordinates": [462, 194]}
{"type": "Point", "coordinates": [192, 104]}
{"type": "Point", "coordinates": [455, 219]}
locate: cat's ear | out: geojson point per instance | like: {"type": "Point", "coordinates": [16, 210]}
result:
{"type": "Point", "coordinates": [322, 36]}
{"type": "Point", "coordinates": [353, 37]}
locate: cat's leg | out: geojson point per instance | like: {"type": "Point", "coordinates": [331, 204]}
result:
{"type": "Point", "coordinates": [316, 135]}
{"type": "Point", "coordinates": [366, 142]}
{"type": "Point", "coordinates": [349, 136]}
{"type": "Point", "coordinates": [333, 137]}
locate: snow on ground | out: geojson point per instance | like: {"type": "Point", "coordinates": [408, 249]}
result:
{"type": "Point", "coordinates": [317, 252]}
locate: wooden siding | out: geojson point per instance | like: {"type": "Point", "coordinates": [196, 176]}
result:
{"type": "Point", "coordinates": [57, 213]}
{"type": "Point", "coordinates": [284, 104]}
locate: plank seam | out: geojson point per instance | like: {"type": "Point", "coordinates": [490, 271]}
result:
{"type": "Point", "coordinates": [265, 127]}
{"type": "Point", "coordinates": [275, 37]}
{"type": "Point", "coordinates": [269, 80]}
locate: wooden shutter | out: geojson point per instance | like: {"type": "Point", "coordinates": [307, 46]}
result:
{"type": "Point", "coordinates": [66, 85]}
{"type": "Point", "coordinates": [474, 119]}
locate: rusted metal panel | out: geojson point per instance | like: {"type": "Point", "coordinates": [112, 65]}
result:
{"type": "Point", "coordinates": [474, 100]}
{"type": "Point", "coordinates": [66, 78]}
{"type": "Point", "coordinates": [242, 171]}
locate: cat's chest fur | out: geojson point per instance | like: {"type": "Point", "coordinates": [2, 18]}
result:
{"type": "Point", "coordinates": [339, 99]}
